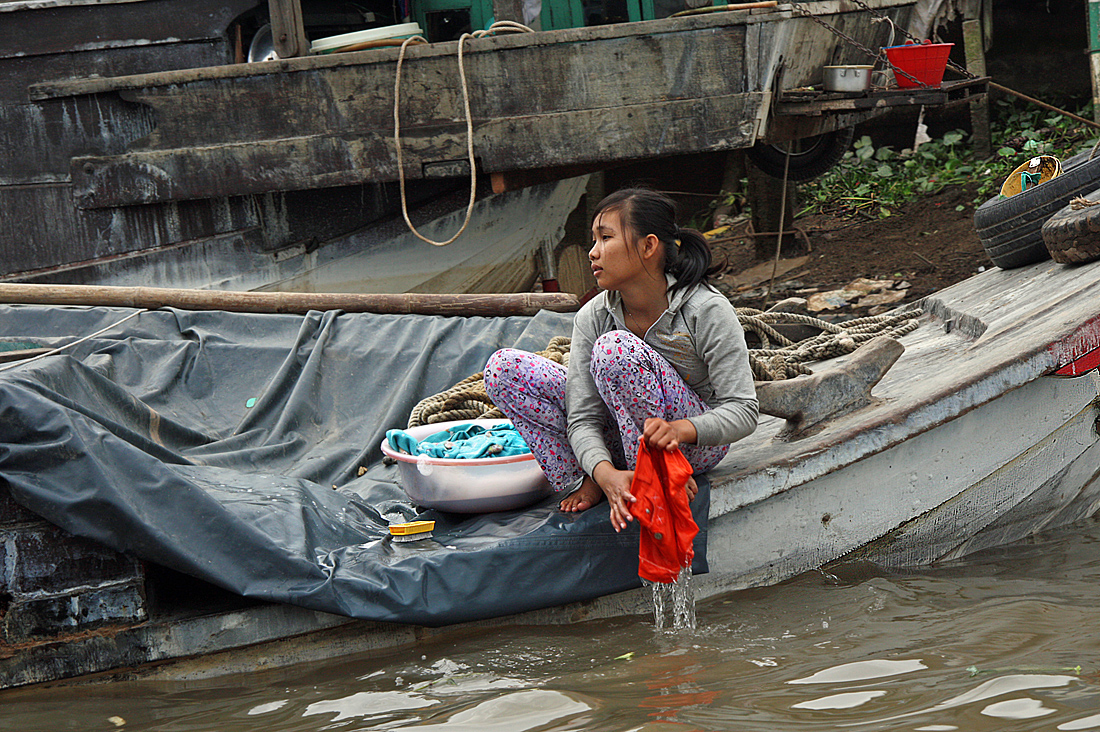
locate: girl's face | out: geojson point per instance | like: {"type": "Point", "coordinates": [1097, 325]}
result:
{"type": "Point", "coordinates": [614, 256]}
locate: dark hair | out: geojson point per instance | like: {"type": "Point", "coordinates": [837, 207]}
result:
{"type": "Point", "coordinates": [643, 212]}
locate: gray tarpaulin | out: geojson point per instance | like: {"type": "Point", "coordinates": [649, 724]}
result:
{"type": "Point", "coordinates": [228, 446]}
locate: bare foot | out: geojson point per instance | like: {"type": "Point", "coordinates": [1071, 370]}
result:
{"type": "Point", "coordinates": [582, 499]}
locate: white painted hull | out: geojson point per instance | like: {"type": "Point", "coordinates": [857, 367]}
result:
{"type": "Point", "coordinates": [938, 495]}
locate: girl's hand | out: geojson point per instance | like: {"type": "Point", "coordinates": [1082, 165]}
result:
{"type": "Point", "coordinates": [615, 484]}
{"type": "Point", "coordinates": [692, 488]}
{"type": "Point", "coordinates": [662, 435]}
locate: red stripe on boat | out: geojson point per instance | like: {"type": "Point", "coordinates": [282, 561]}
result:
{"type": "Point", "coordinates": [1081, 365]}
{"type": "Point", "coordinates": [1079, 352]}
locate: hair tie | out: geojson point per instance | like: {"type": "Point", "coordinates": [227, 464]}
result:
{"type": "Point", "coordinates": [676, 235]}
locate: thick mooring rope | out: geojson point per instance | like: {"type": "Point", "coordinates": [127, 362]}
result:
{"type": "Point", "coordinates": [786, 359]}
{"type": "Point", "coordinates": [467, 399]}
{"type": "Point", "coordinates": [778, 358]}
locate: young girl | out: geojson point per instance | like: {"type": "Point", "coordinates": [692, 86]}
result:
{"type": "Point", "coordinates": [658, 355]}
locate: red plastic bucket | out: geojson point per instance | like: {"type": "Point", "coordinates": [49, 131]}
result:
{"type": "Point", "coordinates": [925, 63]}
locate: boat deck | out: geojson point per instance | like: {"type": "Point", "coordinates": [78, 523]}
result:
{"type": "Point", "coordinates": [978, 340]}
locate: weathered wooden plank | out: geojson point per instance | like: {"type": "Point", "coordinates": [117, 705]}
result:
{"type": "Point", "coordinates": [979, 108]}
{"type": "Point", "coordinates": [815, 48]}
{"type": "Point", "coordinates": [18, 74]}
{"type": "Point", "coordinates": [43, 616]}
{"type": "Point", "coordinates": [416, 55]}
{"type": "Point", "coordinates": [11, 356]}
{"type": "Point", "coordinates": [790, 109]}
{"type": "Point", "coordinates": [30, 238]}
{"type": "Point", "coordinates": [529, 80]}
{"type": "Point", "coordinates": [896, 9]}
{"type": "Point", "coordinates": [57, 129]}
{"type": "Point", "coordinates": [884, 100]}
{"type": "Point", "coordinates": [55, 582]}
{"type": "Point", "coordinates": [40, 227]}
{"type": "Point", "coordinates": [46, 559]}
{"type": "Point", "coordinates": [804, 115]}
{"type": "Point", "coordinates": [638, 131]}
{"type": "Point", "coordinates": [288, 30]}
{"type": "Point", "coordinates": [112, 25]}
{"type": "Point", "coordinates": [508, 10]}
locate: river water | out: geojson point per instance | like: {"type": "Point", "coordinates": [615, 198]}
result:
{"type": "Point", "coordinates": [1004, 640]}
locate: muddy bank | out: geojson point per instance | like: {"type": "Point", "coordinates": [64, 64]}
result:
{"type": "Point", "coordinates": [924, 246]}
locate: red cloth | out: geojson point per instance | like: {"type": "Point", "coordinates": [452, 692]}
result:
{"type": "Point", "coordinates": [667, 526]}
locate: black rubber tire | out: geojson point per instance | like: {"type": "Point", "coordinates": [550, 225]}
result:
{"type": "Point", "coordinates": [813, 156]}
{"type": "Point", "coordinates": [1073, 236]}
{"type": "Point", "coordinates": [1010, 229]}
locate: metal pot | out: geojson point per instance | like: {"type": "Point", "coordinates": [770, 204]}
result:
{"type": "Point", "coordinates": [262, 47]}
{"type": "Point", "coordinates": [847, 78]}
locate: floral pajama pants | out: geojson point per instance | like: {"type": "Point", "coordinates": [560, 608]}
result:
{"type": "Point", "coordinates": [633, 380]}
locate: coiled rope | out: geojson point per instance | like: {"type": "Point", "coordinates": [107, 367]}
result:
{"type": "Point", "coordinates": [778, 358]}
{"type": "Point", "coordinates": [501, 26]}
{"type": "Point", "coordinates": [468, 400]}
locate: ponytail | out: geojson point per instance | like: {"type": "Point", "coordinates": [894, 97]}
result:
{"type": "Point", "coordinates": [643, 212]}
{"type": "Point", "coordinates": [689, 260]}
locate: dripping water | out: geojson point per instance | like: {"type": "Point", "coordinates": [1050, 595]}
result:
{"type": "Point", "coordinates": [674, 602]}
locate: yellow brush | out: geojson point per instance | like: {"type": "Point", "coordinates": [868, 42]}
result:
{"type": "Point", "coordinates": [412, 531]}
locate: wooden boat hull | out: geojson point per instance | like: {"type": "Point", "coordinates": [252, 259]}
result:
{"type": "Point", "coordinates": [512, 241]}
{"type": "Point", "coordinates": [572, 97]}
{"type": "Point", "coordinates": [982, 433]}
{"type": "Point", "coordinates": [191, 174]}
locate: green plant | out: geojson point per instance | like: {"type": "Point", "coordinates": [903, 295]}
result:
{"type": "Point", "coordinates": [875, 181]}
{"type": "Point", "coordinates": [735, 202]}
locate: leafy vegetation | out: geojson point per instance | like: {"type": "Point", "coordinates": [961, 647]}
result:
{"type": "Point", "coordinates": [875, 181]}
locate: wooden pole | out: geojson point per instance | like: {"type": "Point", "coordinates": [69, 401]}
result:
{"type": "Point", "coordinates": [979, 108]}
{"type": "Point", "coordinates": [724, 8]}
{"type": "Point", "coordinates": [770, 207]}
{"type": "Point", "coordinates": [508, 10]}
{"type": "Point", "coordinates": [288, 29]}
{"type": "Point", "coordinates": [1044, 105]}
{"type": "Point", "coordinates": [151, 298]}
{"type": "Point", "coordinates": [1094, 55]}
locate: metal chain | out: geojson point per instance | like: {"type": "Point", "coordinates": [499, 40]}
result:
{"type": "Point", "coordinates": [875, 55]}
{"type": "Point", "coordinates": [877, 14]}
{"type": "Point", "coordinates": [911, 37]}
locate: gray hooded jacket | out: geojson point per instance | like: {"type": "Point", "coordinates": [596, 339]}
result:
{"type": "Point", "coordinates": [698, 334]}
